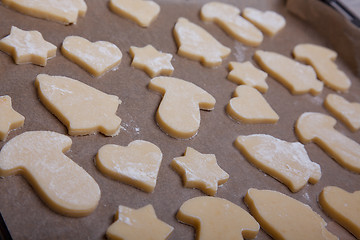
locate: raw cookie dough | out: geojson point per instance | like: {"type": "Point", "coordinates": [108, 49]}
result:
{"type": "Point", "coordinates": [288, 162]}
{"type": "Point", "coordinates": [139, 223]}
{"type": "Point", "coordinates": [348, 113]}
{"type": "Point", "coordinates": [137, 164]}
{"type": "Point", "coordinates": [249, 106]}
{"type": "Point", "coordinates": [197, 44]}
{"type": "Point", "coordinates": [179, 112]}
{"type": "Point", "coordinates": [9, 118]}
{"type": "Point", "coordinates": [139, 11]}
{"type": "Point", "coordinates": [63, 11]}
{"type": "Point", "coordinates": [217, 218]}
{"type": "Point", "coordinates": [343, 207]}
{"type": "Point", "coordinates": [296, 77]}
{"type": "Point", "coordinates": [152, 61]}
{"type": "Point", "coordinates": [200, 171]}
{"type": "Point", "coordinates": [269, 22]}
{"type": "Point", "coordinates": [228, 18]}
{"type": "Point", "coordinates": [319, 128]}
{"type": "Point", "coordinates": [81, 108]}
{"type": "Point", "coordinates": [96, 58]}
{"type": "Point", "coordinates": [283, 217]}
{"type": "Point", "coordinates": [246, 73]}
{"type": "Point", "coordinates": [62, 184]}
{"type": "Point", "coordinates": [27, 47]}
{"type": "Point", "coordinates": [322, 59]}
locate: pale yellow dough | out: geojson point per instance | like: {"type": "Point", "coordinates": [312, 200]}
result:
{"type": "Point", "coordinates": [152, 61]}
{"type": "Point", "coordinates": [288, 162]}
{"type": "Point", "coordinates": [63, 11]}
{"type": "Point", "coordinates": [140, 11]}
{"type": "Point", "coordinates": [322, 59]}
{"type": "Point", "coordinates": [249, 106]}
{"type": "Point", "coordinates": [283, 217]}
{"type": "Point", "coordinates": [269, 22]}
{"type": "Point", "coordinates": [96, 58]}
{"type": "Point", "coordinates": [81, 108]}
{"type": "Point", "coordinates": [246, 73]}
{"type": "Point", "coordinates": [197, 44]}
{"type": "Point", "coordinates": [137, 164]}
{"type": "Point", "coordinates": [348, 113]}
{"type": "Point", "coordinates": [62, 184]}
{"type": "Point", "coordinates": [139, 223]}
{"type": "Point", "coordinates": [228, 18]}
{"type": "Point", "coordinates": [27, 47]}
{"type": "Point", "coordinates": [9, 118]}
{"type": "Point", "coordinates": [217, 218]}
{"type": "Point", "coordinates": [319, 128]}
{"type": "Point", "coordinates": [296, 77]}
{"type": "Point", "coordinates": [179, 112]}
{"type": "Point", "coordinates": [200, 171]}
{"type": "Point", "coordinates": [343, 207]}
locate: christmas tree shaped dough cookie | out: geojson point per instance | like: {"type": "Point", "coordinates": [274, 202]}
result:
{"type": "Point", "coordinates": [228, 18]}
{"type": "Point", "coordinates": [322, 59]}
{"type": "Point", "coordinates": [64, 11]}
{"type": "Point", "coordinates": [9, 118]}
{"type": "Point", "coordinates": [179, 112]}
{"type": "Point", "coordinates": [81, 108]}
{"type": "Point", "coordinates": [249, 106]}
{"type": "Point", "coordinates": [153, 62]}
{"type": "Point", "coordinates": [283, 217]}
{"type": "Point", "coordinates": [63, 185]}
{"type": "Point", "coordinates": [296, 77]}
{"type": "Point", "coordinates": [246, 73]}
{"type": "Point", "coordinates": [217, 218]}
{"type": "Point", "coordinates": [137, 164]}
{"type": "Point", "coordinates": [285, 161]}
{"type": "Point", "coordinates": [96, 58]}
{"type": "Point", "coordinates": [140, 11]}
{"type": "Point", "coordinates": [343, 207]}
{"type": "Point", "coordinates": [269, 22]}
{"type": "Point", "coordinates": [319, 128]}
{"type": "Point", "coordinates": [200, 171]}
{"type": "Point", "coordinates": [348, 113]}
{"type": "Point", "coordinates": [27, 47]}
{"type": "Point", "coordinates": [197, 44]}
{"type": "Point", "coordinates": [139, 223]}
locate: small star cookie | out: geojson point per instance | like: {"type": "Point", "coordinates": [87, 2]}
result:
{"type": "Point", "coordinates": [9, 118]}
{"type": "Point", "coordinates": [200, 171]}
{"type": "Point", "coordinates": [27, 47]}
{"type": "Point", "coordinates": [150, 60]}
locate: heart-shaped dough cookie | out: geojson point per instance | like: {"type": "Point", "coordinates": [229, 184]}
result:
{"type": "Point", "coordinates": [96, 58]}
{"type": "Point", "coordinates": [137, 164]}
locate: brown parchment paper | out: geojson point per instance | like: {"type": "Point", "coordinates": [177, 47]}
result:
{"type": "Point", "coordinates": [27, 217]}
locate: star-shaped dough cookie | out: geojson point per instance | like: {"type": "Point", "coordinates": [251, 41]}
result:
{"type": "Point", "coordinates": [152, 61]}
{"type": "Point", "coordinates": [9, 118]}
{"type": "Point", "coordinates": [200, 171]}
{"type": "Point", "coordinates": [27, 47]}
{"type": "Point", "coordinates": [139, 223]}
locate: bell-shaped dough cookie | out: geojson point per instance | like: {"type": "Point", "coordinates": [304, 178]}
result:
{"type": "Point", "coordinates": [179, 112]}
{"type": "Point", "coordinates": [81, 108]}
{"type": "Point", "coordinates": [319, 128]}
{"type": "Point", "coordinates": [283, 217]}
{"type": "Point", "coordinates": [217, 218]}
{"type": "Point", "coordinates": [228, 18]}
{"type": "Point", "coordinates": [249, 106]}
{"type": "Point", "coordinates": [322, 59]}
{"type": "Point", "coordinates": [137, 164]}
{"type": "Point", "coordinates": [9, 118]}
{"type": "Point", "coordinates": [343, 207]}
{"type": "Point", "coordinates": [63, 185]}
{"type": "Point", "coordinates": [197, 44]}
{"type": "Point", "coordinates": [296, 77]}
{"type": "Point", "coordinates": [288, 162]}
